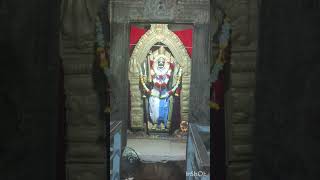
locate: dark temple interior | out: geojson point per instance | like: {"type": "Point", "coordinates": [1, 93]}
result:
{"type": "Point", "coordinates": [160, 89]}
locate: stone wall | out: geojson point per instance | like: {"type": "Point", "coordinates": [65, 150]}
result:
{"type": "Point", "coordinates": [187, 11]}
{"type": "Point", "coordinates": [287, 96]}
{"type": "Point", "coordinates": [29, 89]}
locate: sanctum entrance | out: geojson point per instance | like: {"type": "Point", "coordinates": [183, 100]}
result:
{"type": "Point", "coordinates": [159, 79]}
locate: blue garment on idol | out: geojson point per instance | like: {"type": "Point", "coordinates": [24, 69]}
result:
{"type": "Point", "coordinates": [164, 109]}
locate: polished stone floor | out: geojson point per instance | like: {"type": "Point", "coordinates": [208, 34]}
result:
{"type": "Point", "coordinates": [156, 156]}
{"type": "Point", "coordinates": [158, 149]}
{"type": "Point", "coordinates": [171, 170]}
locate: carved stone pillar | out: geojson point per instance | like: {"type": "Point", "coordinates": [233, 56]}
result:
{"type": "Point", "coordinates": [200, 87]}
{"type": "Point", "coordinates": [85, 156]}
{"type": "Point", "coordinates": [239, 98]}
{"type": "Point", "coordinates": [118, 79]}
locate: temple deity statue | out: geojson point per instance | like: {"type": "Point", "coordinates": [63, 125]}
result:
{"type": "Point", "coordinates": [160, 78]}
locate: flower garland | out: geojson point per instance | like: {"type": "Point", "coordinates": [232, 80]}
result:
{"type": "Point", "coordinates": [101, 53]}
{"type": "Point", "coordinates": [101, 47]}
{"type": "Point", "coordinates": [223, 40]}
{"type": "Point", "coordinates": [171, 91]}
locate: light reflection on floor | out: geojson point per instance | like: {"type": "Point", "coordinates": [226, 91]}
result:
{"type": "Point", "coordinates": [172, 170]}
{"type": "Point", "coordinates": [160, 157]}
{"type": "Point", "coordinates": [158, 150]}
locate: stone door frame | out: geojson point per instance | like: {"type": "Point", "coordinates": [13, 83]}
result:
{"type": "Point", "coordinates": [124, 12]}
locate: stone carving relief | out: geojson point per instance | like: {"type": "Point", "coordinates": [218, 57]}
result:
{"type": "Point", "coordinates": [159, 8]}
{"type": "Point", "coordinates": [78, 21]}
{"type": "Point", "coordinates": [83, 126]}
{"type": "Point", "coordinates": [81, 109]}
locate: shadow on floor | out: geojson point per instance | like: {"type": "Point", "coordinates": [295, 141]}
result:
{"type": "Point", "coordinates": [172, 170]}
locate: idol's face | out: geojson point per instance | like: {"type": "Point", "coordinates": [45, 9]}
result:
{"type": "Point", "coordinates": [161, 62]}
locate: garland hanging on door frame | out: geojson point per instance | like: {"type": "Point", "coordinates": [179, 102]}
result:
{"type": "Point", "coordinates": [224, 44]}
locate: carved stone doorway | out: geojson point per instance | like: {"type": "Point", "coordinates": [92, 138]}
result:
{"type": "Point", "coordinates": [147, 79]}
{"type": "Point", "coordinates": [122, 15]}
{"type": "Point", "coordinates": [123, 71]}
